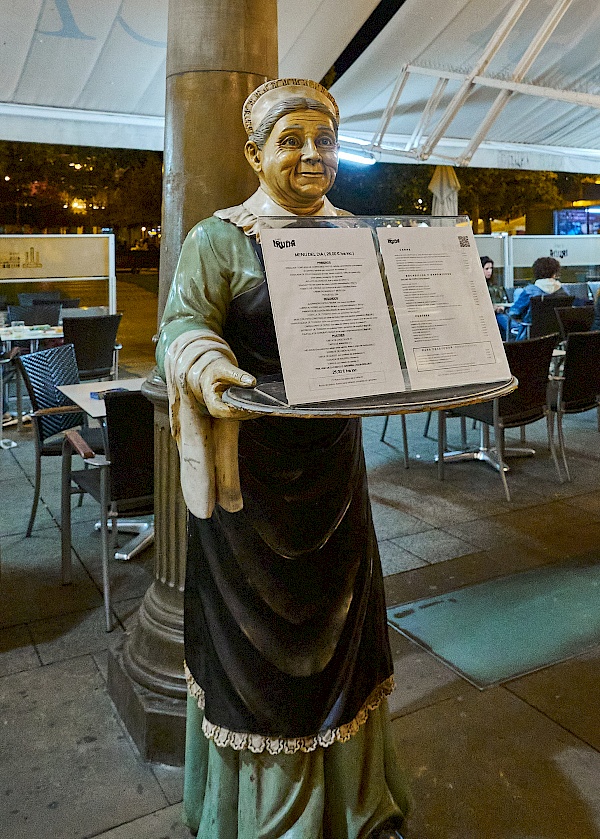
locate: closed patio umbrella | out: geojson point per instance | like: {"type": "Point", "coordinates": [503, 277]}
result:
{"type": "Point", "coordinates": [444, 185]}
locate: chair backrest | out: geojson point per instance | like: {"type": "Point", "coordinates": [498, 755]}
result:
{"type": "Point", "coordinates": [529, 361]}
{"type": "Point", "coordinates": [70, 302]}
{"type": "Point", "coordinates": [581, 371]}
{"type": "Point", "coordinates": [510, 293]}
{"type": "Point", "coordinates": [130, 436]}
{"type": "Point", "coordinates": [543, 316]}
{"type": "Point", "coordinates": [578, 290]}
{"type": "Point", "coordinates": [28, 298]}
{"type": "Point", "coordinates": [94, 341]}
{"type": "Point", "coordinates": [36, 314]}
{"type": "Point", "coordinates": [574, 319]}
{"type": "Point", "coordinates": [88, 311]}
{"type": "Point", "coordinates": [594, 288]}
{"type": "Point", "coordinates": [42, 373]}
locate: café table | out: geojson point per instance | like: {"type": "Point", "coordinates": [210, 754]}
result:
{"type": "Point", "coordinates": [33, 334]}
{"type": "Point", "coordinates": [80, 394]}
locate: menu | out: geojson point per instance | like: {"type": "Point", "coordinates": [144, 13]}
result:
{"type": "Point", "coordinates": [365, 312]}
{"type": "Point", "coordinates": [442, 306]}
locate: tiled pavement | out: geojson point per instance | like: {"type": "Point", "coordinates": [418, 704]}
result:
{"type": "Point", "coordinates": [519, 761]}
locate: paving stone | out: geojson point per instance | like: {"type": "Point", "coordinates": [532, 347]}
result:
{"type": "Point", "coordinates": [434, 545]}
{"type": "Point", "coordinates": [565, 693]}
{"type": "Point", "coordinates": [421, 680]}
{"type": "Point", "coordinates": [64, 757]}
{"type": "Point", "coordinates": [487, 766]}
{"type": "Point", "coordinates": [17, 651]}
{"type": "Point", "coordinates": [31, 581]}
{"type": "Point", "coordinates": [394, 559]}
{"type": "Point", "coordinates": [165, 824]}
{"type": "Point", "coordinates": [69, 636]}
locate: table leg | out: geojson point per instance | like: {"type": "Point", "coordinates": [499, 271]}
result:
{"type": "Point", "coordinates": [143, 539]}
{"type": "Point", "coordinates": [486, 453]}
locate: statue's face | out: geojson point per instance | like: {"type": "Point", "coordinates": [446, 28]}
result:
{"type": "Point", "coordinates": [298, 163]}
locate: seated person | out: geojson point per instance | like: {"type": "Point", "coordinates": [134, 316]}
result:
{"type": "Point", "coordinates": [497, 295]}
{"type": "Point", "coordinates": [546, 271]}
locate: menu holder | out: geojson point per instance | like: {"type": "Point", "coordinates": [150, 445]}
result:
{"type": "Point", "coordinates": [270, 398]}
{"type": "Point", "coordinates": [373, 306]}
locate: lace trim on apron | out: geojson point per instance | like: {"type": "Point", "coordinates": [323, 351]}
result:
{"type": "Point", "coordinates": [239, 740]}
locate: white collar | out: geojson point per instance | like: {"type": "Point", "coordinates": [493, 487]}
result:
{"type": "Point", "coordinates": [259, 204]}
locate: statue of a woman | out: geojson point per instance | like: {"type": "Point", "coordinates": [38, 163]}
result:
{"type": "Point", "coordinates": [287, 655]}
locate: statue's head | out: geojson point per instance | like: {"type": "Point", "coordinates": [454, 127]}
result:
{"type": "Point", "coordinates": [292, 141]}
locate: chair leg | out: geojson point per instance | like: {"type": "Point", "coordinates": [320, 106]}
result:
{"type": "Point", "coordinates": [441, 443]}
{"type": "Point", "coordinates": [19, 392]}
{"type": "Point", "coordinates": [36, 490]}
{"type": "Point", "coordinates": [384, 429]}
{"type": "Point", "coordinates": [428, 421]}
{"type": "Point", "coordinates": [106, 541]}
{"type": "Point", "coordinates": [65, 516]}
{"type": "Point", "coordinates": [404, 440]}
{"type": "Point", "coordinates": [552, 447]}
{"type": "Point", "coordinates": [561, 444]}
{"type": "Point", "coordinates": [499, 439]}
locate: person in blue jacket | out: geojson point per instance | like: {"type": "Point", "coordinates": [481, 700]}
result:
{"type": "Point", "coordinates": [546, 271]}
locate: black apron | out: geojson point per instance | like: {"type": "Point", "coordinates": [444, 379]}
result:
{"type": "Point", "coordinates": [285, 623]}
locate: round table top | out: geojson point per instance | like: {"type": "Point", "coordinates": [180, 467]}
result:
{"type": "Point", "coordinates": [269, 398]}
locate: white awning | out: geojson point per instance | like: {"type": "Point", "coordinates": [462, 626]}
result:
{"type": "Point", "coordinates": [93, 73]}
{"type": "Point", "coordinates": [507, 84]}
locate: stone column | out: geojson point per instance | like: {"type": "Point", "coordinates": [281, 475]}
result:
{"type": "Point", "coordinates": [218, 52]}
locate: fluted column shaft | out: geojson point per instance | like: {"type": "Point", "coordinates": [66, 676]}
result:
{"type": "Point", "coordinates": [218, 52]}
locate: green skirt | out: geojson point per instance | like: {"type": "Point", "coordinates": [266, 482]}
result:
{"type": "Point", "coordinates": [344, 791]}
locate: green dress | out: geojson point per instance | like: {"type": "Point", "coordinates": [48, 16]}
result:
{"type": "Point", "coordinates": [286, 639]}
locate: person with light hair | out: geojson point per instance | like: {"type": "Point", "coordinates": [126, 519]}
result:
{"type": "Point", "coordinates": [287, 654]}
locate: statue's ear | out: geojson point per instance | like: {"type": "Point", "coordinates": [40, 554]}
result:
{"type": "Point", "coordinates": [253, 156]}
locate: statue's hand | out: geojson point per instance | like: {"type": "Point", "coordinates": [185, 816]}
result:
{"type": "Point", "coordinates": [210, 384]}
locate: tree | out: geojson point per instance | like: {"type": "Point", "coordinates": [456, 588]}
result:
{"type": "Point", "coordinates": [49, 186]}
{"type": "Point", "coordinates": [398, 188]}
{"type": "Point", "coordinates": [385, 188]}
{"type": "Point", "coordinates": [505, 193]}
{"type": "Point", "coordinates": [136, 198]}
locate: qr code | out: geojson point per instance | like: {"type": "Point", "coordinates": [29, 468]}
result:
{"type": "Point", "coordinates": [463, 241]}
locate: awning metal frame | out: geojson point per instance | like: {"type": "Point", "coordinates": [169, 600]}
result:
{"type": "Point", "coordinates": [426, 140]}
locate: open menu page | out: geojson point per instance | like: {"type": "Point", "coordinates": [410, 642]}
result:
{"type": "Point", "coordinates": [332, 319]}
{"type": "Point", "coordinates": [442, 306]}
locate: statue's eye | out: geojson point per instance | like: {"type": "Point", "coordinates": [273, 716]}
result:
{"type": "Point", "coordinates": [291, 142]}
{"type": "Point", "coordinates": [326, 142]}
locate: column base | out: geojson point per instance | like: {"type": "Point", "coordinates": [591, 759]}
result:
{"type": "Point", "coordinates": [155, 723]}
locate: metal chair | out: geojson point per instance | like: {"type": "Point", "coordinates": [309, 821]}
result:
{"type": "Point", "coordinates": [95, 342]}
{"type": "Point", "coordinates": [594, 287]}
{"type": "Point", "coordinates": [579, 291]}
{"type": "Point", "coordinates": [578, 388]}
{"type": "Point", "coordinates": [529, 362]}
{"type": "Point", "coordinates": [121, 482]}
{"type": "Point", "coordinates": [543, 315]}
{"type": "Point", "coordinates": [53, 412]}
{"type": "Point", "coordinates": [36, 314]}
{"type": "Point", "coordinates": [574, 319]}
